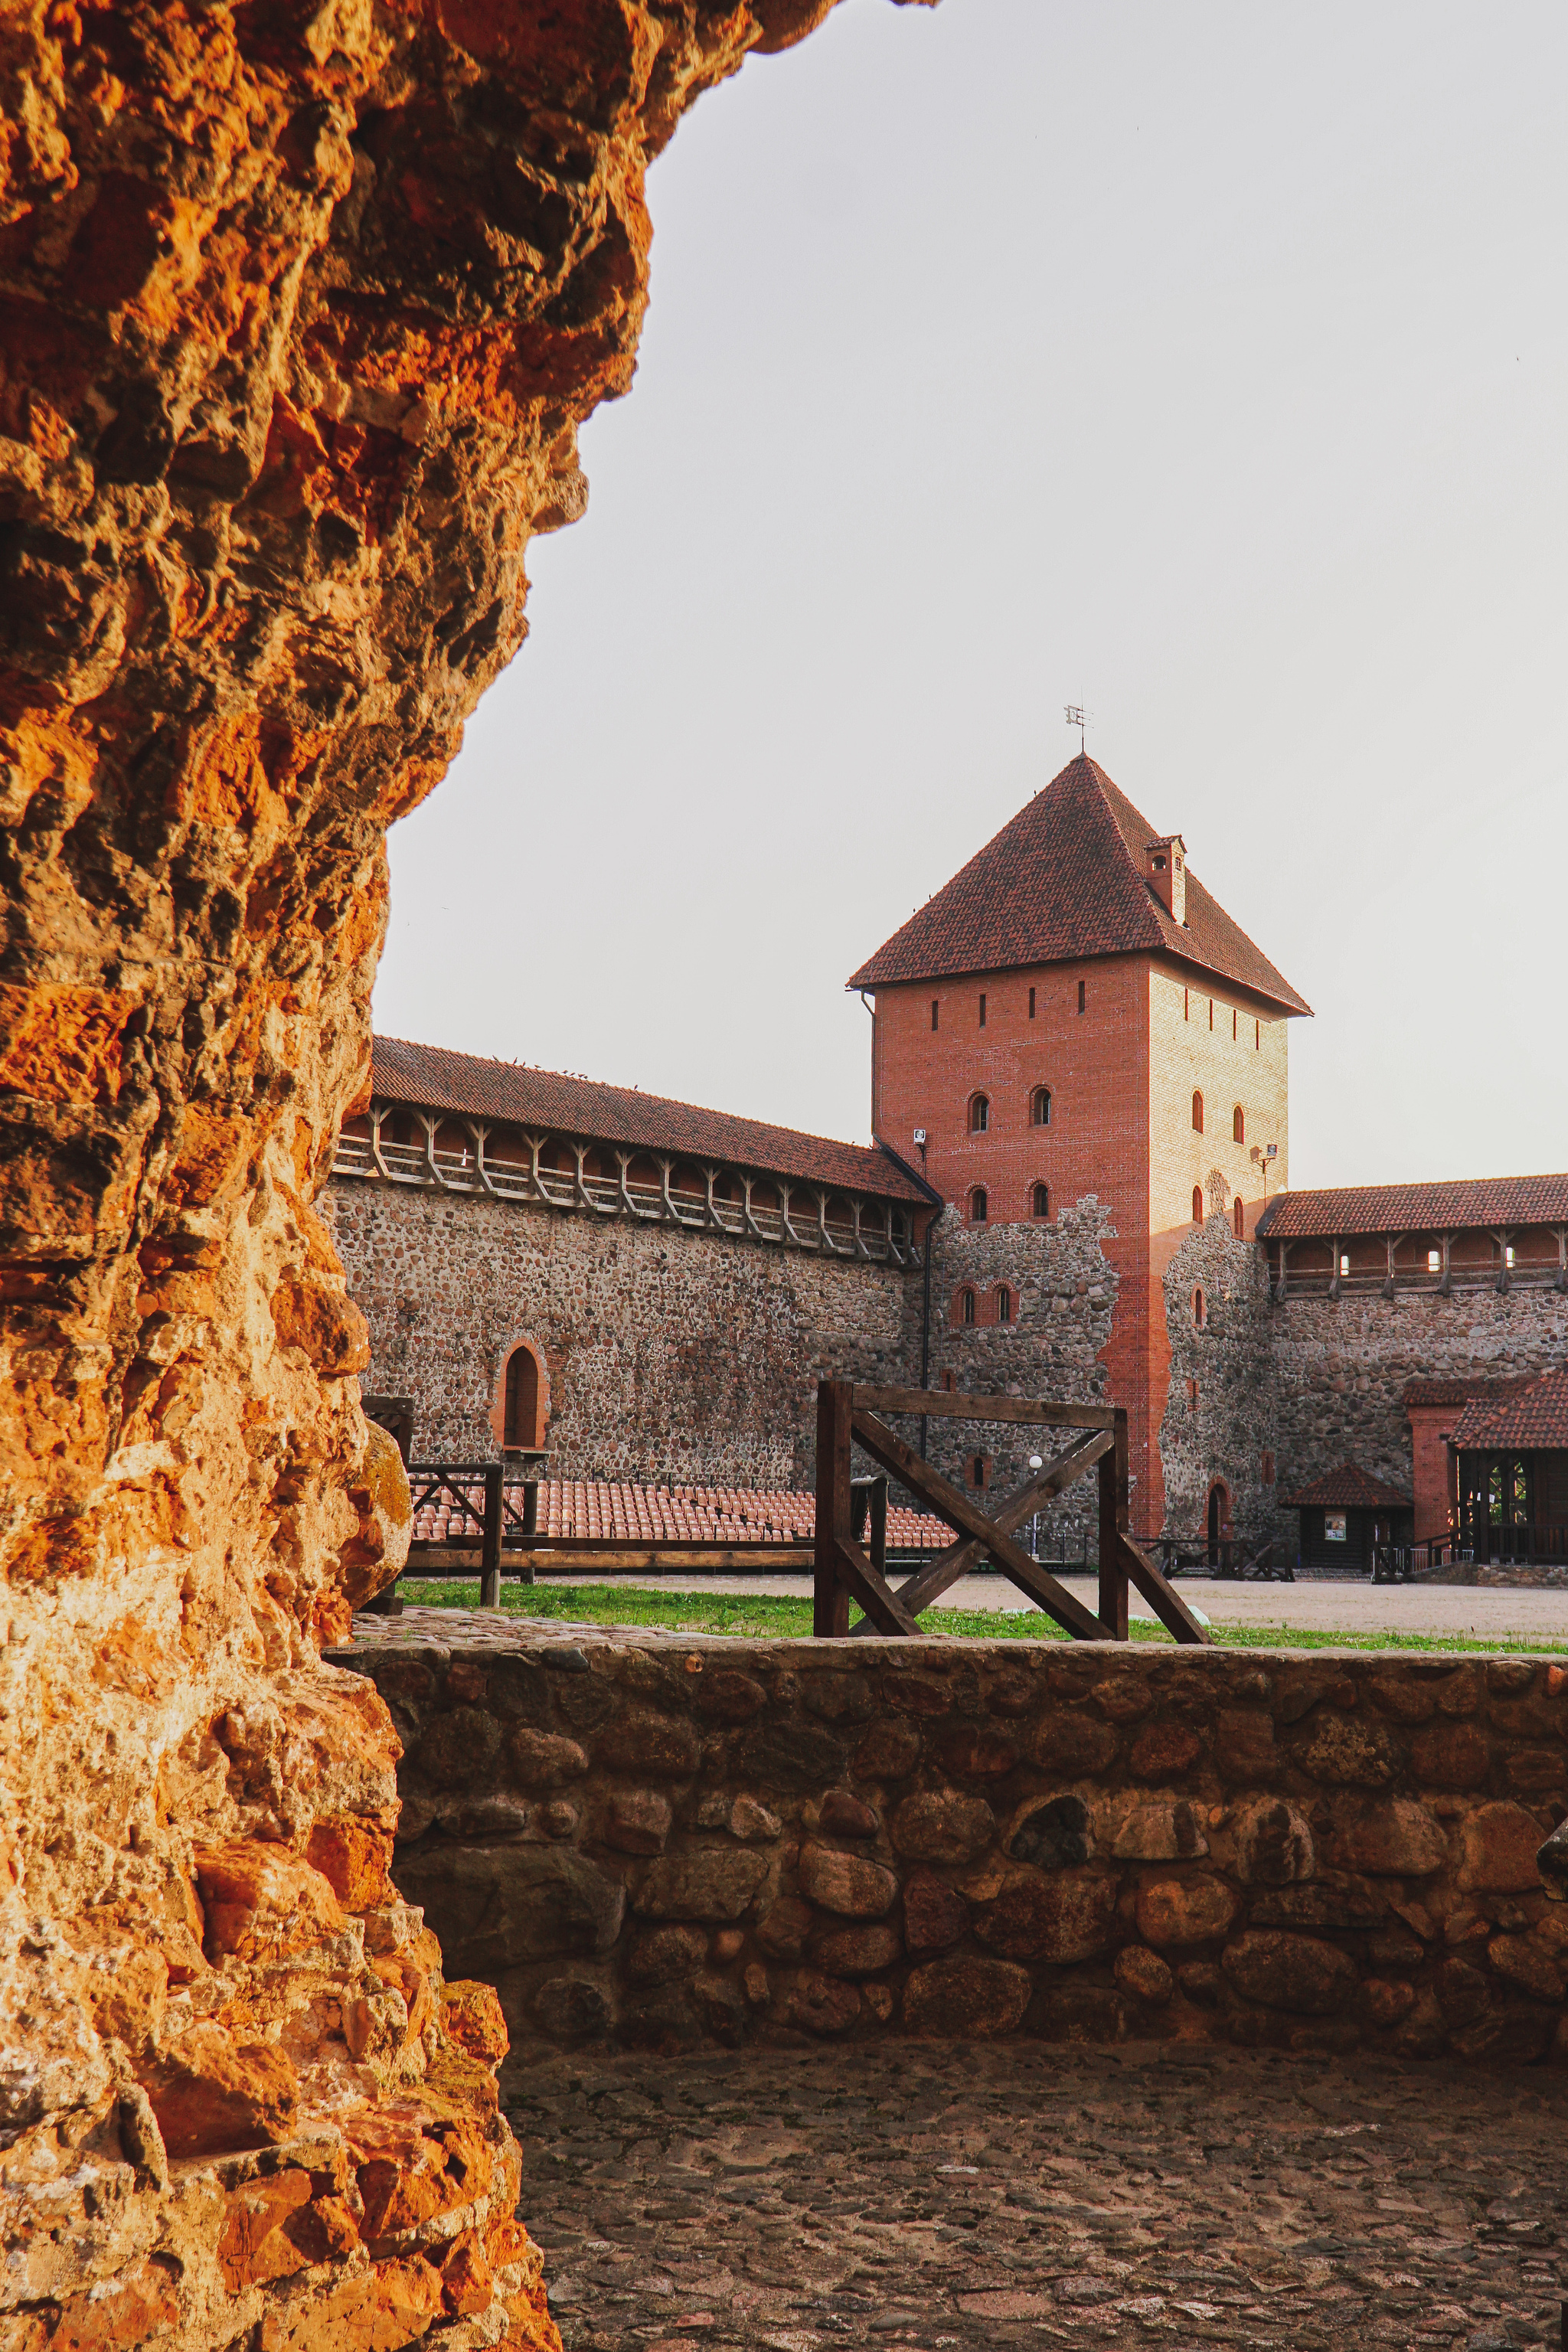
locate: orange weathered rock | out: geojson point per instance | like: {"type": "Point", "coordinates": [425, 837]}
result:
{"type": "Point", "coordinates": [302, 309]}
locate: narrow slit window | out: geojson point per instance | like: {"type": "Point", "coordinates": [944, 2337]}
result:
{"type": "Point", "coordinates": [1003, 1304]}
{"type": "Point", "coordinates": [979, 1114]}
{"type": "Point", "coordinates": [1031, 1003]}
{"type": "Point", "coordinates": [1186, 1003]}
{"type": "Point", "coordinates": [1256, 1035]}
{"type": "Point", "coordinates": [1238, 1125]}
{"type": "Point", "coordinates": [983, 1011]}
{"type": "Point", "coordinates": [966, 1306]}
{"type": "Point", "coordinates": [933, 1005]}
{"type": "Point", "coordinates": [1042, 1200]}
{"type": "Point", "coordinates": [1267, 1469]}
{"type": "Point", "coordinates": [979, 1209]}
{"type": "Point", "coordinates": [1197, 1112]}
{"type": "Point", "coordinates": [1233, 1020]}
{"type": "Point", "coordinates": [1200, 1311]}
{"type": "Point", "coordinates": [1238, 1219]}
{"type": "Point", "coordinates": [1210, 1012]}
{"type": "Point", "coordinates": [1197, 1204]}
{"type": "Point", "coordinates": [1082, 998]}
{"type": "Point", "coordinates": [1040, 1107]}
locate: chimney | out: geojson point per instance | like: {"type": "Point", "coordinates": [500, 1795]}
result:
{"type": "Point", "coordinates": [1165, 871]}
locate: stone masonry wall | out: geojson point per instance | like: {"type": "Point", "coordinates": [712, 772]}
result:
{"type": "Point", "coordinates": [1234, 1422]}
{"type": "Point", "coordinates": [668, 1841]}
{"type": "Point", "coordinates": [1064, 1290]}
{"type": "Point", "coordinates": [1340, 1366]}
{"type": "Point", "coordinates": [669, 1354]}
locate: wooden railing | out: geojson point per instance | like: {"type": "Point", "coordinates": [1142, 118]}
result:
{"type": "Point", "coordinates": [847, 1571]}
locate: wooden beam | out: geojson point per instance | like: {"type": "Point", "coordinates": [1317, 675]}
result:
{"type": "Point", "coordinates": [944, 1404]}
{"type": "Point", "coordinates": [582, 1554]}
{"type": "Point", "coordinates": [1165, 1601]}
{"type": "Point", "coordinates": [1114, 1480]}
{"type": "Point", "coordinates": [950, 1504]}
{"type": "Point", "coordinates": [860, 1580]}
{"type": "Point", "coordinates": [830, 1594]}
{"type": "Point", "coordinates": [929, 1582]}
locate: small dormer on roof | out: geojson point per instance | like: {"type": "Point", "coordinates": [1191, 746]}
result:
{"type": "Point", "coordinates": [1165, 871]}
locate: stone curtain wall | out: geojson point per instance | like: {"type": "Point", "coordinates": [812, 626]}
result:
{"type": "Point", "coordinates": [1064, 1289]}
{"type": "Point", "coordinates": [670, 1355]}
{"type": "Point", "coordinates": [1232, 1359]}
{"type": "Point", "coordinates": [1340, 1367]}
{"type": "Point", "coordinates": [667, 1844]}
{"type": "Point", "coordinates": [302, 307]}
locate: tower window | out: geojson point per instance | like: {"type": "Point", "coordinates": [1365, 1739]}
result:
{"type": "Point", "coordinates": [520, 1412]}
{"type": "Point", "coordinates": [1042, 1200]}
{"type": "Point", "coordinates": [1081, 996]}
{"type": "Point", "coordinates": [1200, 1311]}
{"type": "Point", "coordinates": [1197, 1112]}
{"type": "Point", "coordinates": [1238, 1125]}
{"type": "Point", "coordinates": [1040, 1107]}
{"type": "Point", "coordinates": [966, 1306]}
{"type": "Point", "coordinates": [1031, 1003]}
{"type": "Point", "coordinates": [979, 1114]}
{"type": "Point", "coordinates": [979, 1206]}
{"type": "Point", "coordinates": [1233, 1020]}
{"type": "Point", "coordinates": [1266, 1469]}
{"type": "Point", "coordinates": [980, 1469]}
{"type": "Point", "coordinates": [1197, 1204]}
{"type": "Point", "coordinates": [1238, 1219]}
{"type": "Point", "coordinates": [1003, 1304]}
{"type": "Point", "coordinates": [983, 1010]}
{"type": "Point", "coordinates": [949, 1382]}
{"type": "Point", "coordinates": [1256, 1035]}
{"type": "Point", "coordinates": [1210, 1012]}
{"type": "Point", "coordinates": [1192, 1396]}
{"type": "Point", "coordinates": [933, 1006]}
{"type": "Point", "coordinates": [1186, 1003]}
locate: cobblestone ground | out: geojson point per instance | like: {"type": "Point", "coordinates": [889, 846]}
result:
{"type": "Point", "coordinates": [960, 2197]}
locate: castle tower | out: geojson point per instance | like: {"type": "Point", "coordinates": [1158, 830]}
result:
{"type": "Point", "coordinates": [1072, 1015]}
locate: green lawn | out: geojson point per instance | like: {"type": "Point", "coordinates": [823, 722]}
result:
{"type": "Point", "coordinates": [759, 1616]}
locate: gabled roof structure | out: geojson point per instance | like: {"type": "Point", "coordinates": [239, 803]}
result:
{"type": "Point", "coordinates": [1490, 1203]}
{"type": "Point", "coordinates": [1348, 1488]}
{"type": "Point", "coordinates": [1536, 1416]}
{"type": "Point", "coordinates": [430, 1079]}
{"type": "Point", "coordinates": [1065, 880]}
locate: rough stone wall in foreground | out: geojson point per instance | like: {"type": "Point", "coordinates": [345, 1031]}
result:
{"type": "Point", "coordinates": [302, 307]}
{"type": "Point", "coordinates": [670, 1355]}
{"type": "Point", "coordinates": [668, 1843]}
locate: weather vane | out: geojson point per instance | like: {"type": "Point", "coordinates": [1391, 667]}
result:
{"type": "Point", "coordinates": [1077, 717]}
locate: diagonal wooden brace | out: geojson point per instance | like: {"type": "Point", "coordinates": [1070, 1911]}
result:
{"type": "Point", "coordinates": [867, 1586]}
{"type": "Point", "coordinates": [1165, 1601]}
{"type": "Point", "coordinates": [950, 1504]}
{"type": "Point", "coordinates": [929, 1583]}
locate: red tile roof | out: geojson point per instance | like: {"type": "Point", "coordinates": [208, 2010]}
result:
{"type": "Point", "coordinates": [1065, 879]}
{"type": "Point", "coordinates": [1455, 1392]}
{"type": "Point", "coordinates": [1538, 1415]}
{"type": "Point", "coordinates": [431, 1079]}
{"type": "Point", "coordinates": [1348, 1488]}
{"type": "Point", "coordinates": [613, 1511]}
{"type": "Point", "coordinates": [1481, 1200]}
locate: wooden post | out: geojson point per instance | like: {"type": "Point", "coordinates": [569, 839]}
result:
{"type": "Point", "coordinates": [1113, 1478]}
{"type": "Point", "coordinates": [879, 1526]}
{"type": "Point", "coordinates": [529, 1520]}
{"type": "Point", "coordinates": [490, 1558]}
{"type": "Point", "coordinates": [830, 1602]}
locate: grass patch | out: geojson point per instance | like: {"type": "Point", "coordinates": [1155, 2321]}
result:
{"type": "Point", "coordinates": [770, 1617]}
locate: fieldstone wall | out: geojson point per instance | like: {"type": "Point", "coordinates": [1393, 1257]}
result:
{"type": "Point", "coordinates": [669, 1354]}
{"type": "Point", "coordinates": [1063, 1288]}
{"type": "Point", "coordinates": [1340, 1366]}
{"type": "Point", "coordinates": [657, 1840]}
{"type": "Point", "coordinates": [1234, 1422]}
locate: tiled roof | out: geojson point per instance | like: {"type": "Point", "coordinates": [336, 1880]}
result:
{"type": "Point", "coordinates": [431, 1079]}
{"type": "Point", "coordinates": [1348, 1488]}
{"type": "Point", "coordinates": [615, 1512]}
{"type": "Point", "coordinates": [1485, 1200]}
{"type": "Point", "coordinates": [1537, 1415]}
{"type": "Point", "coordinates": [1453, 1392]}
{"type": "Point", "coordinates": [1065, 879]}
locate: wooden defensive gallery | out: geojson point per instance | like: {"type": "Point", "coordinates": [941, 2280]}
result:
{"type": "Point", "coordinates": [1077, 1183]}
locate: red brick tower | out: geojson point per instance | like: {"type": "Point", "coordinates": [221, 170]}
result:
{"type": "Point", "coordinates": [1073, 1014]}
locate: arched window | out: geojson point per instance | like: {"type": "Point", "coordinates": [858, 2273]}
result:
{"type": "Point", "coordinates": [979, 1206]}
{"type": "Point", "coordinates": [980, 1469]}
{"type": "Point", "coordinates": [966, 1306]}
{"type": "Point", "coordinates": [1040, 1107]}
{"type": "Point", "coordinates": [1197, 1112]}
{"type": "Point", "coordinates": [520, 1420]}
{"type": "Point", "coordinates": [1200, 1311]}
{"type": "Point", "coordinates": [1042, 1200]}
{"type": "Point", "coordinates": [1238, 1219]}
{"type": "Point", "coordinates": [1238, 1125]}
{"type": "Point", "coordinates": [1003, 1304]}
{"type": "Point", "coordinates": [979, 1114]}
{"type": "Point", "coordinates": [1197, 1204]}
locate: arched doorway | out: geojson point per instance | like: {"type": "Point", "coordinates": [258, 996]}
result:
{"type": "Point", "coordinates": [1219, 1520]}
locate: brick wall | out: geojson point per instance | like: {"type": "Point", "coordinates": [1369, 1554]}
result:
{"type": "Point", "coordinates": [673, 1841]}
{"type": "Point", "coordinates": [669, 1354]}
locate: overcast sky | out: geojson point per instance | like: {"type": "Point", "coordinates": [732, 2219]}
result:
{"type": "Point", "coordinates": [1207, 364]}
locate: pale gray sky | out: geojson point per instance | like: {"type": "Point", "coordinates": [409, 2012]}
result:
{"type": "Point", "coordinates": [1208, 364]}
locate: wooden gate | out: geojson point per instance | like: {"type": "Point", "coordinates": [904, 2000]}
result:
{"type": "Point", "coordinates": [846, 1570]}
